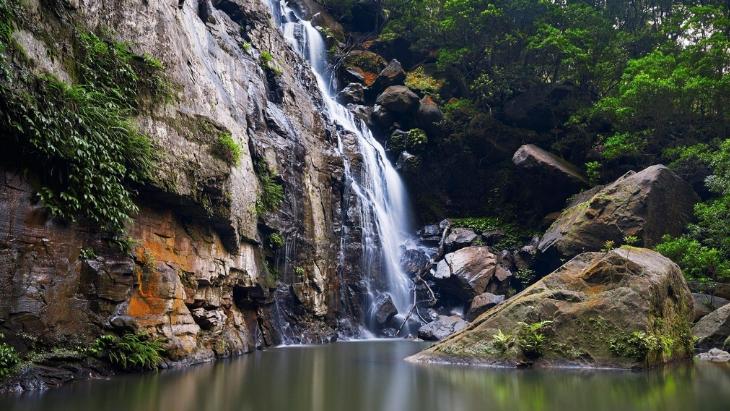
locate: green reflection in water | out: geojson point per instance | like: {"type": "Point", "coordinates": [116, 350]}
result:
{"type": "Point", "coordinates": [372, 376]}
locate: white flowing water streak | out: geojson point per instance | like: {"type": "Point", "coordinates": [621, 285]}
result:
{"type": "Point", "coordinates": [383, 200]}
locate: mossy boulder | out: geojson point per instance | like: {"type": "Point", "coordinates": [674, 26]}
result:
{"type": "Point", "coordinates": [628, 308]}
{"type": "Point", "coordinates": [647, 205]}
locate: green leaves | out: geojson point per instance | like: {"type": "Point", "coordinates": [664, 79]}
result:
{"type": "Point", "coordinates": [81, 139]}
{"type": "Point", "coordinates": [130, 351]}
{"type": "Point", "coordinates": [8, 358]}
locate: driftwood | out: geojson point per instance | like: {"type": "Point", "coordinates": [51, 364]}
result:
{"type": "Point", "coordinates": [419, 278]}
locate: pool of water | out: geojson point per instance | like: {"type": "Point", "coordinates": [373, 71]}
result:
{"type": "Point", "coordinates": [371, 375]}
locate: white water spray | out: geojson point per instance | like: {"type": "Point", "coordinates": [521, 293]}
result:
{"type": "Point", "coordinates": [382, 196]}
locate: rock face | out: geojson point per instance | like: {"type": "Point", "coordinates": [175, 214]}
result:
{"type": "Point", "coordinates": [198, 269]}
{"type": "Point", "coordinates": [713, 330]}
{"type": "Point", "coordinates": [466, 273]}
{"type": "Point", "coordinates": [705, 304]}
{"type": "Point", "coordinates": [384, 310]}
{"type": "Point", "coordinates": [354, 93]}
{"type": "Point", "coordinates": [550, 178]}
{"type": "Point", "coordinates": [392, 75]}
{"type": "Point", "coordinates": [648, 205]}
{"type": "Point", "coordinates": [481, 304]}
{"type": "Point", "coordinates": [460, 238]}
{"type": "Point", "coordinates": [441, 328]}
{"type": "Point", "coordinates": [399, 99]}
{"type": "Point", "coordinates": [629, 308]}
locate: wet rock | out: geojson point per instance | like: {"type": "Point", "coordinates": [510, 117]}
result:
{"type": "Point", "coordinates": [459, 238]}
{"type": "Point", "coordinates": [524, 258]}
{"type": "Point", "coordinates": [362, 67]}
{"type": "Point", "coordinates": [481, 304]}
{"type": "Point", "coordinates": [312, 11]}
{"type": "Point", "coordinates": [593, 300]}
{"type": "Point", "coordinates": [412, 261]}
{"type": "Point", "coordinates": [389, 333]}
{"type": "Point", "coordinates": [354, 93]}
{"type": "Point", "coordinates": [208, 319]}
{"type": "Point", "coordinates": [430, 230]}
{"type": "Point", "coordinates": [428, 314]}
{"type": "Point", "coordinates": [713, 329]}
{"type": "Point", "coordinates": [705, 304]}
{"type": "Point", "coordinates": [364, 113]}
{"type": "Point", "coordinates": [384, 310]}
{"type": "Point", "coordinates": [551, 179]}
{"type": "Point", "coordinates": [465, 273]}
{"type": "Point", "coordinates": [429, 115]}
{"type": "Point", "coordinates": [501, 282]}
{"type": "Point", "coordinates": [441, 328]}
{"type": "Point", "coordinates": [647, 205]}
{"type": "Point", "coordinates": [714, 354]}
{"type": "Point", "coordinates": [391, 75]}
{"type": "Point", "coordinates": [407, 162]}
{"type": "Point", "coordinates": [398, 99]}
{"type": "Point", "coordinates": [382, 117]}
{"type": "Point", "coordinates": [493, 237]}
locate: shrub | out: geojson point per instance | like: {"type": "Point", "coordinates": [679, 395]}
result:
{"type": "Point", "coordinates": [530, 339]}
{"type": "Point", "coordinates": [8, 358]}
{"type": "Point", "coordinates": [272, 193]}
{"type": "Point", "coordinates": [698, 262]}
{"type": "Point", "coordinates": [228, 150]}
{"type": "Point", "coordinates": [80, 139]}
{"type": "Point", "coordinates": [129, 351]}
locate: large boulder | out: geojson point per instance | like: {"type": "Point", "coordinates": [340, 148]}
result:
{"type": "Point", "coordinates": [361, 67]}
{"type": "Point", "coordinates": [713, 330]}
{"type": "Point", "coordinates": [383, 310]}
{"type": "Point", "coordinates": [628, 308]}
{"type": "Point", "coordinates": [551, 179]}
{"type": "Point", "coordinates": [647, 205]}
{"type": "Point", "coordinates": [460, 238]}
{"type": "Point", "coordinates": [481, 304]}
{"type": "Point", "coordinates": [465, 274]}
{"type": "Point", "coordinates": [398, 99]}
{"type": "Point", "coordinates": [392, 75]}
{"type": "Point", "coordinates": [413, 260]}
{"type": "Point", "coordinates": [354, 93]}
{"type": "Point", "coordinates": [705, 304]}
{"type": "Point", "coordinates": [441, 328]}
{"type": "Point", "coordinates": [429, 115]}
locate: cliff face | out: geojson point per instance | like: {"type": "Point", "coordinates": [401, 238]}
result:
{"type": "Point", "coordinates": [207, 271]}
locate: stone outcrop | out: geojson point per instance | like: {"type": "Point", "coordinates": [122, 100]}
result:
{"type": "Point", "coordinates": [398, 99]}
{"type": "Point", "coordinates": [392, 75]}
{"type": "Point", "coordinates": [466, 272]}
{"type": "Point", "coordinates": [705, 304]}
{"type": "Point", "coordinates": [441, 328]}
{"type": "Point", "coordinates": [647, 205]}
{"type": "Point", "coordinates": [550, 178]}
{"type": "Point", "coordinates": [629, 308]}
{"type": "Point", "coordinates": [713, 330]}
{"type": "Point", "coordinates": [201, 269]}
{"type": "Point", "coordinates": [481, 304]}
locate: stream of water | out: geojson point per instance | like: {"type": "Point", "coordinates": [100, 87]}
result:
{"type": "Point", "coordinates": [372, 376]}
{"type": "Point", "coordinates": [383, 202]}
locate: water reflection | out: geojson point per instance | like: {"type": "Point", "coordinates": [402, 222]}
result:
{"type": "Point", "coordinates": [372, 376]}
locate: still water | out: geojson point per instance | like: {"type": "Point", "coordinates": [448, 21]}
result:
{"type": "Point", "coordinates": [371, 375]}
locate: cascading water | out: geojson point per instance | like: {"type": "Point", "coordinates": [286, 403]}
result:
{"type": "Point", "coordinates": [382, 198]}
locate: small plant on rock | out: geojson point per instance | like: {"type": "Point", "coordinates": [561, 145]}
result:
{"type": "Point", "coordinates": [502, 342]}
{"type": "Point", "coordinates": [530, 339]}
{"type": "Point", "coordinates": [228, 150]}
{"type": "Point", "coordinates": [129, 351]}
{"type": "Point", "coordinates": [8, 358]}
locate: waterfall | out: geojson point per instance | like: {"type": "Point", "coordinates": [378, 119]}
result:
{"type": "Point", "coordinates": [383, 202]}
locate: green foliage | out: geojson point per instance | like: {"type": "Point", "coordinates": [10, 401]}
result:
{"type": "Point", "coordinates": [502, 342]}
{"type": "Point", "coordinates": [417, 140]}
{"type": "Point", "coordinates": [87, 254]}
{"type": "Point", "coordinates": [272, 193]}
{"type": "Point", "coordinates": [228, 150]}
{"type": "Point", "coordinates": [593, 171]}
{"type": "Point", "coordinates": [515, 235]}
{"type": "Point", "coordinates": [530, 339]}
{"type": "Point", "coordinates": [639, 345]}
{"type": "Point", "coordinates": [130, 351]}
{"type": "Point", "coordinates": [276, 240]}
{"type": "Point", "coordinates": [698, 262]}
{"type": "Point", "coordinates": [417, 79]}
{"type": "Point", "coordinates": [525, 277]}
{"type": "Point", "coordinates": [8, 358]}
{"type": "Point", "coordinates": [81, 139]}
